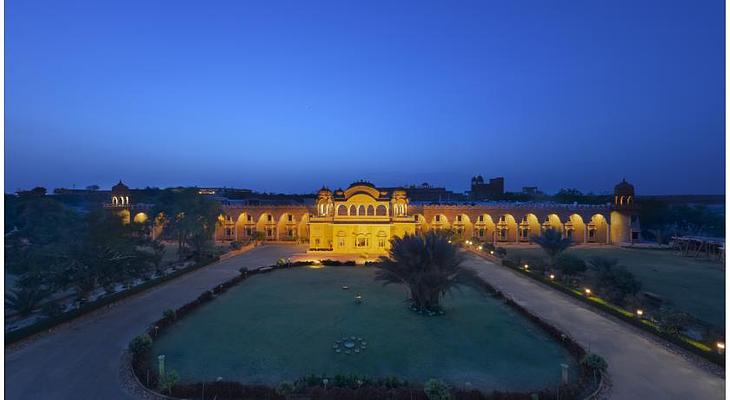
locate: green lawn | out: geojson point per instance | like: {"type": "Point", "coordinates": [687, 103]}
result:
{"type": "Point", "coordinates": [691, 285]}
{"type": "Point", "coordinates": [283, 325]}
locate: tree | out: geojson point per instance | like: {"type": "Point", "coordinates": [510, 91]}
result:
{"type": "Point", "coordinates": [552, 242]}
{"type": "Point", "coordinates": [428, 264]}
{"type": "Point", "coordinates": [190, 219]}
{"type": "Point", "coordinates": [570, 265]}
{"type": "Point", "coordinates": [612, 281]}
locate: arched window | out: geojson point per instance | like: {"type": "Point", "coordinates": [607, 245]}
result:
{"type": "Point", "coordinates": [341, 210]}
{"type": "Point", "coordinates": [381, 210]}
{"type": "Point", "coordinates": [353, 210]}
{"type": "Point", "coordinates": [371, 210]}
{"type": "Point", "coordinates": [361, 210]}
{"type": "Point", "coordinates": [115, 201]}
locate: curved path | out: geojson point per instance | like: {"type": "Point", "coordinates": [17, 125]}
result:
{"type": "Point", "coordinates": [639, 368]}
{"type": "Point", "coordinates": [81, 360]}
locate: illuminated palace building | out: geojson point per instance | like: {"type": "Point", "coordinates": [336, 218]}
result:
{"type": "Point", "coordinates": [363, 218]}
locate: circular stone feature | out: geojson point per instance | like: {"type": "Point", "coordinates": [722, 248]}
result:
{"type": "Point", "coordinates": [348, 345]}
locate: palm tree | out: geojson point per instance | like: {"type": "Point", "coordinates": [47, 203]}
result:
{"type": "Point", "coordinates": [428, 264]}
{"type": "Point", "coordinates": [553, 243]}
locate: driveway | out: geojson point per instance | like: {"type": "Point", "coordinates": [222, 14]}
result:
{"type": "Point", "coordinates": [639, 368]}
{"type": "Point", "coordinates": [81, 360]}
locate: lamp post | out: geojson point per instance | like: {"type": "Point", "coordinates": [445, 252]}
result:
{"type": "Point", "coordinates": [161, 365]}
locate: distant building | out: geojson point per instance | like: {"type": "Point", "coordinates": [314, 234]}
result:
{"type": "Point", "coordinates": [530, 190]}
{"type": "Point", "coordinates": [483, 191]}
{"type": "Point", "coordinates": [427, 193]}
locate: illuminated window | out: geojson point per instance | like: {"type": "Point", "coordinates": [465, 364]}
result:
{"type": "Point", "coordinates": [371, 210]}
{"type": "Point", "coordinates": [438, 218]}
{"type": "Point", "coordinates": [291, 218]}
{"type": "Point", "coordinates": [458, 218]}
{"type": "Point", "coordinates": [362, 242]}
{"type": "Point", "coordinates": [381, 243]}
{"type": "Point", "coordinates": [269, 217]}
{"type": "Point", "coordinates": [341, 210]}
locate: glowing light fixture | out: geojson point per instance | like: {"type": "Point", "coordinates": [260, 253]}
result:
{"type": "Point", "coordinates": [640, 312]}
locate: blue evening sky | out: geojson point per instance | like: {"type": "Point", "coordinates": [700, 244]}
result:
{"type": "Point", "coordinates": [290, 96]}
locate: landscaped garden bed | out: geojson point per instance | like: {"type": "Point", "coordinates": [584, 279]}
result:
{"type": "Point", "coordinates": [346, 384]}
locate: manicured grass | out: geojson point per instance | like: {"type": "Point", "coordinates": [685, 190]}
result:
{"type": "Point", "coordinates": [691, 285]}
{"type": "Point", "coordinates": [282, 325]}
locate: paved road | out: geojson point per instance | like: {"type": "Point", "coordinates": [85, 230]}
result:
{"type": "Point", "coordinates": [639, 367]}
{"type": "Point", "coordinates": [81, 361]}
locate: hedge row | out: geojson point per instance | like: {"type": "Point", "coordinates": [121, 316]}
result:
{"type": "Point", "coordinates": [312, 388]}
{"type": "Point", "coordinates": [626, 316]}
{"type": "Point", "coordinates": [48, 323]}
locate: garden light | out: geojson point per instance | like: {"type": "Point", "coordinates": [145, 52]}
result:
{"type": "Point", "coordinates": [491, 252]}
{"type": "Point", "coordinates": [588, 292]}
{"type": "Point", "coordinates": [552, 276]}
{"type": "Point", "coordinates": [527, 266]}
{"type": "Point", "coordinates": [480, 247]}
{"type": "Point", "coordinates": [640, 312]}
{"type": "Point", "coordinates": [720, 347]}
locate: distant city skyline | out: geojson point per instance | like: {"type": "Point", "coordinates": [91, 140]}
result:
{"type": "Point", "coordinates": [290, 96]}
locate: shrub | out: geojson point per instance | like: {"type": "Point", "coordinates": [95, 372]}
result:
{"type": "Point", "coordinates": [285, 388]}
{"type": "Point", "coordinates": [500, 252]}
{"type": "Point", "coordinates": [140, 345]}
{"type": "Point", "coordinates": [570, 264]}
{"type": "Point", "coordinates": [436, 390]}
{"type": "Point", "coordinates": [236, 245]}
{"type": "Point", "coordinates": [52, 309]}
{"type": "Point", "coordinates": [594, 362]}
{"type": "Point", "coordinates": [169, 314]}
